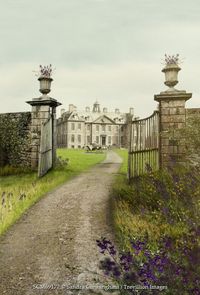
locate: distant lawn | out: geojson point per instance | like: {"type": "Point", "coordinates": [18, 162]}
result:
{"type": "Point", "coordinates": [19, 192]}
{"type": "Point", "coordinates": [123, 153]}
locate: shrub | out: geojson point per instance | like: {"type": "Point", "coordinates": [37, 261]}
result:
{"type": "Point", "coordinates": [157, 225]}
{"type": "Point", "coordinates": [61, 162]}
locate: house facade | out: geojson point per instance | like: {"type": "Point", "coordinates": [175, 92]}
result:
{"type": "Point", "coordinates": [77, 129]}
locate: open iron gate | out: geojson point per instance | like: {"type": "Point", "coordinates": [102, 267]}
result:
{"type": "Point", "coordinates": [143, 145]}
{"type": "Point", "coordinates": [46, 147]}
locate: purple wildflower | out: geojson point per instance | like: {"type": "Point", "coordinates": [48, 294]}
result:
{"type": "Point", "coordinates": [138, 246]}
{"type": "Point", "coordinates": [106, 245]}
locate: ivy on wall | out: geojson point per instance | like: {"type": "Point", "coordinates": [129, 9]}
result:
{"type": "Point", "coordinates": [15, 139]}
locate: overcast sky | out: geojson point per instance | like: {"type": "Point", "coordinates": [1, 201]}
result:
{"type": "Point", "coordinates": [109, 50]}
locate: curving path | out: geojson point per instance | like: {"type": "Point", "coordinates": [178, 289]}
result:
{"type": "Point", "coordinates": [52, 247]}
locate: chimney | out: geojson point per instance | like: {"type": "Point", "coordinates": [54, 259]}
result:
{"type": "Point", "coordinates": [62, 111]}
{"type": "Point", "coordinates": [72, 108]}
{"type": "Point", "coordinates": [116, 111]}
{"type": "Point", "coordinates": [87, 109]}
{"type": "Point", "coordinates": [131, 111]}
{"type": "Point", "coordinates": [105, 110]}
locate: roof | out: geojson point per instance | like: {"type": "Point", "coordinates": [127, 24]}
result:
{"type": "Point", "coordinates": [94, 116]}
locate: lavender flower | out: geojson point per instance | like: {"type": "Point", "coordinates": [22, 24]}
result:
{"type": "Point", "coordinates": [171, 59]}
{"type": "Point", "coordinates": [106, 245]}
{"type": "Point", "coordinates": [138, 246]}
{"type": "Point", "coordinates": [46, 70]}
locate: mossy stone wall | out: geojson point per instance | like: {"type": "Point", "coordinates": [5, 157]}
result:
{"type": "Point", "coordinates": [15, 139]}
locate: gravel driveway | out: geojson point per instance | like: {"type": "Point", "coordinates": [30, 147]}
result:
{"type": "Point", "coordinates": [52, 248]}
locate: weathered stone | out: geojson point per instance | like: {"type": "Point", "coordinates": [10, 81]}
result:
{"type": "Point", "coordinates": [172, 117]}
{"type": "Point", "coordinates": [41, 111]}
{"type": "Point", "coordinates": [173, 149]}
{"type": "Point", "coordinates": [15, 137]}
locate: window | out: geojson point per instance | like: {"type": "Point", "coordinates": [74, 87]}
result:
{"type": "Point", "coordinates": [72, 138]}
{"type": "Point", "coordinates": [79, 126]}
{"type": "Point", "coordinates": [88, 127]}
{"type": "Point", "coordinates": [122, 128]}
{"type": "Point", "coordinates": [79, 146]}
{"type": "Point", "coordinates": [103, 127]}
{"type": "Point", "coordinates": [97, 127]}
{"type": "Point", "coordinates": [79, 138]}
{"type": "Point", "coordinates": [117, 128]}
{"type": "Point", "coordinates": [88, 139]}
{"type": "Point", "coordinates": [73, 126]}
{"type": "Point", "coordinates": [122, 140]}
{"type": "Point", "coordinates": [109, 139]}
{"type": "Point", "coordinates": [109, 127]}
{"type": "Point", "coordinates": [72, 146]}
{"type": "Point", "coordinates": [97, 139]}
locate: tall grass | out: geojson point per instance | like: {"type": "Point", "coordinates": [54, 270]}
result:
{"type": "Point", "coordinates": [19, 192]}
{"type": "Point", "coordinates": [157, 204]}
{"type": "Point", "coordinates": [157, 225]}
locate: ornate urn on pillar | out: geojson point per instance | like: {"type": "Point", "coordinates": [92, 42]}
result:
{"type": "Point", "coordinates": [171, 70]}
{"type": "Point", "coordinates": [43, 112]}
{"type": "Point", "coordinates": [172, 116]}
{"type": "Point", "coordinates": [45, 79]}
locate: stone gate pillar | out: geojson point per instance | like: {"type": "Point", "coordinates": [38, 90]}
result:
{"type": "Point", "coordinates": [42, 107]}
{"type": "Point", "coordinates": [172, 117]}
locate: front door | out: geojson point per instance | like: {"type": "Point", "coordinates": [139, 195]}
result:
{"type": "Point", "coordinates": [103, 141]}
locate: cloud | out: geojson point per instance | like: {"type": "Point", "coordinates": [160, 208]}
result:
{"type": "Point", "coordinates": [110, 50]}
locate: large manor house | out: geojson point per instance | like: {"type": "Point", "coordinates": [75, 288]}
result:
{"type": "Point", "coordinates": [77, 129]}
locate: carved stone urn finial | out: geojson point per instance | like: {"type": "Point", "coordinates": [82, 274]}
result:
{"type": "Point", "coordinates": [171, 70]}
{"type": "Point", "coordinates": [45, 79]}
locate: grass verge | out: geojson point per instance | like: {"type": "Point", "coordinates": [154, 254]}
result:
{"type": "Point", "coordinates": [157, 229]}
{"type": "Point", "coordinates": [20, 192]}
{"type": "Point", "coordinates": [156, 205]}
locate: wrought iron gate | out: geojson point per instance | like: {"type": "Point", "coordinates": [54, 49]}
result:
{"type": "Point", "coordinates": [46, 147]}
{"type": "Point", "coordinates": [143, 145]}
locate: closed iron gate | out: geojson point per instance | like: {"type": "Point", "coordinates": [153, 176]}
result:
{"type": "Point", "coordinates": [143, 145]}
{"type": "Point", "coordinates": [46, 148]}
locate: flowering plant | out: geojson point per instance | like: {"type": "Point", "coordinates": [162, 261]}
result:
{"type": "Point", "coordinates": [44, 71]}
{"type": "Point", "coordinates": [158, 233]}
{"type": "Point", "coordinates": [171, 59]}
{"type": "Point", "coordinates": [146, 269]}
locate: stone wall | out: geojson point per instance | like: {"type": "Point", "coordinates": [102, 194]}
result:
{"type": "Point", "coordinates": [192, 112]}
{"type": "Point", "coordinates": [194, 155]}
{"type": "Point", "coordinates": [15, 138]}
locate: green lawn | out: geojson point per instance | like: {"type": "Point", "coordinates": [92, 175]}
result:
{"type": "Point", "coordinates": [23, 190]}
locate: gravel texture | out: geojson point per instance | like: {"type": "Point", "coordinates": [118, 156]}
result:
{"type": "Point", "coordinates": [53, 246]}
